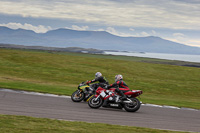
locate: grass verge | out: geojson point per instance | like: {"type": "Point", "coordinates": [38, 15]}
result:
{"type": "Point", "coordinates": [23, 124]}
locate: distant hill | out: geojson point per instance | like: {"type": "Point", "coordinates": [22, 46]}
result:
{"type": "Point", "coordinates": [53, 49]}
{"type": "Point", "coordinates": [102, 40]}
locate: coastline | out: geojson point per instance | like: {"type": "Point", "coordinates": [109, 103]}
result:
{"type": "Point", "coordinates": [177, 57]}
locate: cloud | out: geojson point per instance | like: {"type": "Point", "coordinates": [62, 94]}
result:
{"type": "Point", "coordinates": [117, 33]}
{"type": "Point", "coordinates": [37, 29]}
{"type": "Point", "coordinates": [79, 28]}
{"type": "Point", "coordinates": [123, 34]}
{"type": "Point", "coordinates": [174, 14]}
{"type": "Point", "coordinates": [112, 30]}
{"type": "Point", "coordinates": [178, 35]}
{"type": "Point", "coordinates": [189, 1]}
{"type": "Point", "coordinates": [145, 34]}
{"type": "Point", "coordinates": [75, 27]}
{"type": "Point", "coordinates": [184, 39]}
{"type": "Point", "coordinates": [131, 29]}
{"type": "Point", "coordinates": [195, 43]}
{"type": "Point", "coordinates": [100, 29]}
{"type": "Point", "coordinates": [154, 33]}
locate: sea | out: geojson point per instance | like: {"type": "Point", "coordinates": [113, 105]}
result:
{"type": "Point", "coordinates": [178, 57]}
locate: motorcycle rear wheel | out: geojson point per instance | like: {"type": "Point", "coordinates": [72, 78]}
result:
{"type": "Point", "coordinates": [132, 107]}
{"type": "Point", "coordinates": [95, 104]}
{"type": "Point", "coordinates": [77, 96]}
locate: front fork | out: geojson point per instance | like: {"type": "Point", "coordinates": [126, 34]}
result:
{"type": "Point", "coordinates": [103, 94]}
{"type": "Point", "coordinates": [97, 98]}
{"type": "Point", "coordinates": [79, 92]}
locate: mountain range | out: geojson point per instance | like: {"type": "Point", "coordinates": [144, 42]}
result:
{"type": "Point", "coordinates": [102, 40]}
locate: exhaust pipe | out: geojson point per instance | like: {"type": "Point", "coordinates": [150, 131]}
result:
{"type": "Point", "coordinates": [127, 101]}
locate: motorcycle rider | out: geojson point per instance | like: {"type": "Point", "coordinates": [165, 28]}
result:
{"type": "Point", "coordinates": [98, 77]}
{"type": "Point", "coordinates": [120, 86]}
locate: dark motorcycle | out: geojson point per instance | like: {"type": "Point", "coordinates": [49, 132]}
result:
{"type": "Point", "coordinates": [131, 104]}
{"type": "Point", "coordinates": [83, 93]}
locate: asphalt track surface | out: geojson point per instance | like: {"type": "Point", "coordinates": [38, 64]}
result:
{"type": "Point", "coordinates": [15, 103]}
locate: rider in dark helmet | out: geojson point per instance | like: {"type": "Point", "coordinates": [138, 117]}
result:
{"type": "Point", "coordinates": [120, 85]}
{"type": "Point", "coordinates": [98, 77]}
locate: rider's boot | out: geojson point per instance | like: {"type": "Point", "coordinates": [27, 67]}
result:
{"type": "Point", "coordinates": [123, 96]}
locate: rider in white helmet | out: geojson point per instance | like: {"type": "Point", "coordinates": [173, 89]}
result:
{"type": "Point", "coordinates": [120, 85]}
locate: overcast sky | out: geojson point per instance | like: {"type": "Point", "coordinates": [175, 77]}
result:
{"type": "Point", "coordinates": [176, 20]}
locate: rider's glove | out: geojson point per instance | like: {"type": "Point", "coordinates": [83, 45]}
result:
{"type": "Point", "coordinates": [105, 87]}
{"type": "Point", "coordinates": [88, 82]}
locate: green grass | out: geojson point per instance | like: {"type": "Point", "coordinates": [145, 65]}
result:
{"type": "Point", "coordinates": [60, 73]}
{"type": "Point", "coordinates": [23, 124]}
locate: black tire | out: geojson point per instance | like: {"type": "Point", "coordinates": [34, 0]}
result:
{"type": "Point", "coordinates": [77, 97]}
{"type": "Point", "coordinates": [95, 104]}
{"type": "Point", "coordinates": [132, 107]}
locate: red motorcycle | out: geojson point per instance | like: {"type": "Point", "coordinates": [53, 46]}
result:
{"type": "Point", "coordinates": [131, 104]}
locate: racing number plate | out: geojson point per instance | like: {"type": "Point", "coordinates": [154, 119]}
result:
{"type": "Point", "coordinates": [103, 94]}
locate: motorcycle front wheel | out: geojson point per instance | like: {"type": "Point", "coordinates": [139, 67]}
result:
{"type": "Point", "coordinates": [132, 107]}
{"type": "Point", "coordinates": [77, 96]}
{"type": "Point", "coordinates": [95, 103]}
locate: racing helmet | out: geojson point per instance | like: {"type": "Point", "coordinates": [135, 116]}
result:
{"type": "Point", "coordinates": [98, 74]}
{"type": "Point", "coordinates": [118, 77]}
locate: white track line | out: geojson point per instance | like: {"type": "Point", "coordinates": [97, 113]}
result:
{"type": "Point", "coordinates": [34, 93]}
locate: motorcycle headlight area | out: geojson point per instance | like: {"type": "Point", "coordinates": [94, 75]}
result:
{"type": "Point", "coordinates": [103, 94]}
